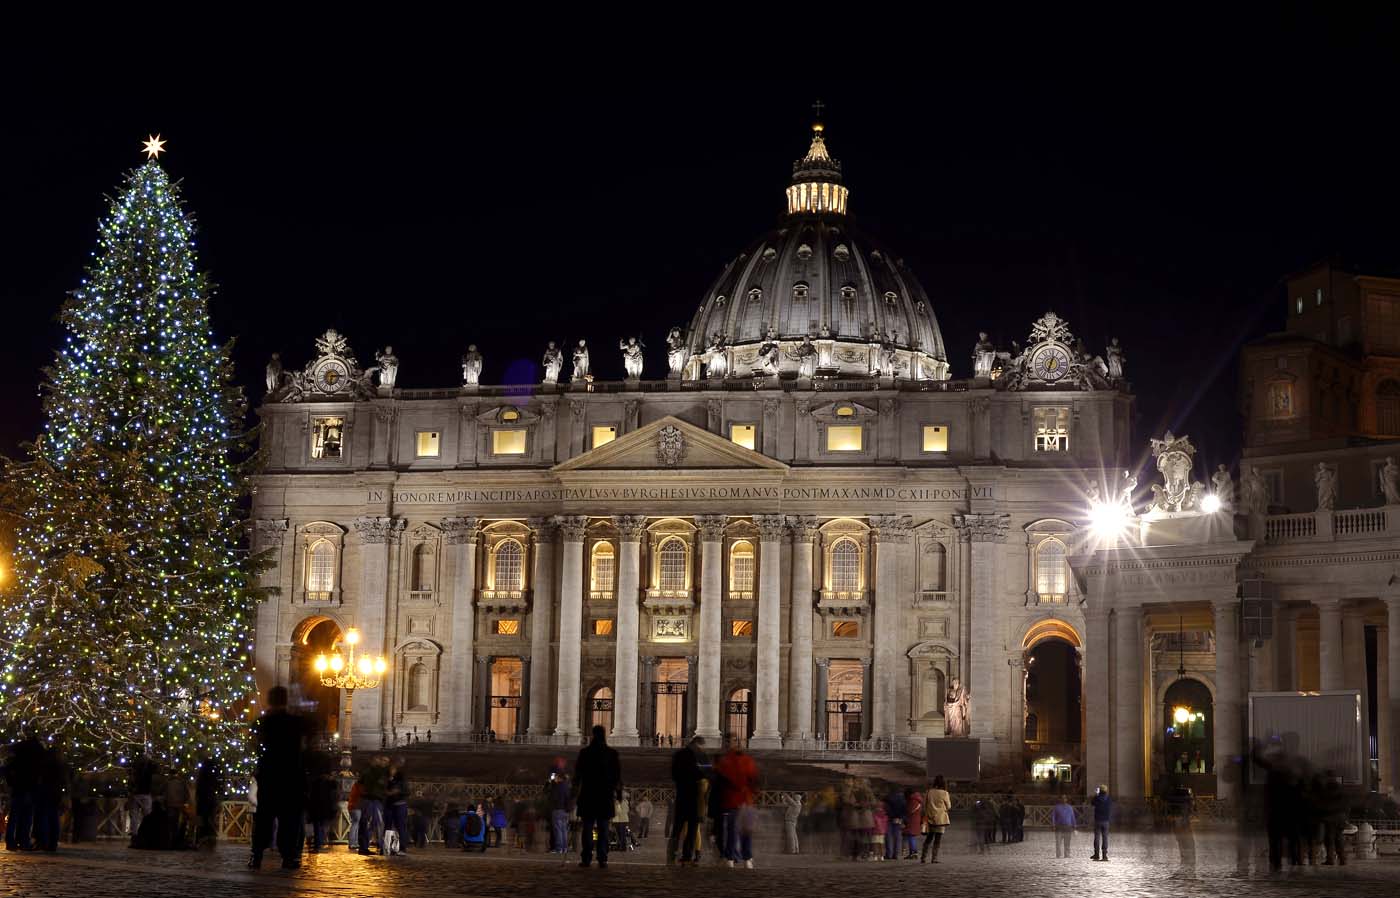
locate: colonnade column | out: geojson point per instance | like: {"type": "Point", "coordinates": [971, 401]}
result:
{"type": "Point", "coordinates": [1127, 731]}
{"type": "Point", "coordinates": [1097, 729]}
{"type": "Point", "coordinates": [1227, 692]}
{"type": "Point", "coordinates": [890, 532]}
{"type": "Point", "coordinates": [804, 534]}
{"type": "Point", "coordinates": [985, 533]}
{"type": "Point", "coordinates": [1391, 775]}
{"type": "Point", "coordinates": [630, 529]}
{"type": "Point", "coordinates": [765, 706]}
{"type": "Point", "coordinates": [541, 623]}
{"type": "Point", "coordinates": [566, 715]}
{"type": "Point", "coordinates": [525, 681]}
{"type": "Point", "coordinates": [707, 690]}
{"type": "Point", "coordinates": [377, 534]}
{"type": "Point", "coordinates": [483, 676]}
{"type": "Point", "coordinates": [692, 675]}
{"type": "Point", "coordinates": [646, 716]}
{"type": "Point", "coordinates": [1331, 668]}
{"type": "Point", "coordinates": [461, 536]}
{"type": "Point", "coordinates": [268, 536]}
{"type": "Point", "coordinates": [823, 666]}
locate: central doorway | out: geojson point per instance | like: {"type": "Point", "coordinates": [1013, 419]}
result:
{"type": "Point", "coordinates": [507, 689]}
{"type": "Point", "coordinates": [668, 698]}
{"type": "Point", "coordinates": [738, 719]}
{"type": "Point", "coordinates": [600, 709]}
{"type": "Point", "coordinates": [845, 687]}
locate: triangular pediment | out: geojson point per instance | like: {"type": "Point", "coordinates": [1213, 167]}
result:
{"type": "Point", "coordinates": [670, 444]}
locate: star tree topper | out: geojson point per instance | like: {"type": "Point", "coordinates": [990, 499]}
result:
{"type": "Point", "coordinates": [153, 146]}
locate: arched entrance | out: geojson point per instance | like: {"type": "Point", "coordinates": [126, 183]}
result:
{"type": "Point", "coordinates": [669, 701]}
{"type": "Point", "coordinates": [320, 704]}
{"type": "Point", "coordinates": [600, 709]}
{"type": "Point", "coordinates": [1188, 737]}
{"type": "Point", "coordinates": [507, 688]}
{"type": "Point", "coordinates": [738, 717]}
{"type": "Point", "coordinates": [845, 688]}
{"type": "Point", "coordinates": [1053, 708]}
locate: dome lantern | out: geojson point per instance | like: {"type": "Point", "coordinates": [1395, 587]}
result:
{"type": "Point", "coordinates": [816, 180]}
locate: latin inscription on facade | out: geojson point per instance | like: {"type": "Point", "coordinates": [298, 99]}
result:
{"type": "Point", "coordinates": [682, 493]}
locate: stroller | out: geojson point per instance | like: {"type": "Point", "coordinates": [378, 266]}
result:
{"type": "Point", "coordinates": [473, 828]}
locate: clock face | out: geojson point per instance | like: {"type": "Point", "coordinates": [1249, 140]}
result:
{"type": "Point", "coordinates": [331, 376]}
{"type": "Point", "coordinates": [1050, 363]}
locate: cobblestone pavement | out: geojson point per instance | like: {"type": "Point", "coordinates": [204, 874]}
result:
{"type": "Point", "coordinates": [1142, 867]}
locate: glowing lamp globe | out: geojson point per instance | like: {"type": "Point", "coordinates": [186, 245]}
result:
{"type": "Point", "coordinates": [321, 664]}
{"type": "Point", "coordinates": [380, 665]}
{"type": "Point", "coordinates": [352, 636]}
{"type": "Point", "coordinates": [366, 666]}
{"type": "Point", "coordinates": [1181, 715]}
{"type": "Point", "coordinates": [337, 664]}
{"type": "Point", "coordinates": [1108, 519]}
{"type": "Point", "coordinates": [1210, 504]}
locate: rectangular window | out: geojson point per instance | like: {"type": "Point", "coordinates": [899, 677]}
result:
{"type": "Point", "coordinates": [743, 434]}
{"type": "Point", "coordinates": [935, 438]}
{"type": "Point", "coordinates": [845, 629]}
{"type": "Point", "coordinates": [429, 444]}
{"type": "Point", "coordinates": [844, 438]}
{"type": "Point", "coordinates": [506, 627]}
{"type": "Point", "coordinates": [327, 437]}
{"type": "Point", "coordinates": [1051, 429]}
{"type": "Point", "coordinates": [741, 628]}
{"type": "Point", "coordinates": [603, 626]}
{"type": "Point", "coordinates": [603, 434]}
{"type": "Point", "coordinates": [508, 442]}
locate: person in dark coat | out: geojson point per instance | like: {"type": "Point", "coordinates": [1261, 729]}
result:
{"type": "Point", "coordinates": [208, 796]}
{"type": "Point", "coordinates": [281, 776]}
{"type": "Point", "coordinates": [48, 797]}
{"type": "Point", "coordinates": [688, 768]}
{"type": "Point", "coordinates": [322, 799]}
{"type": "Point", "coordinates": [22, 778]}
{"type": "Point", "coordinates": [597, 788]}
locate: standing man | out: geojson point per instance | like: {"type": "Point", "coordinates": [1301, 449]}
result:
{"type": "Point", "coordinates": [396, 802]}
{"type": "Point", "coordinates": [1062, 819]}
{"type": "Point", "coordinates": [597, 788]}
{"type": "Point", "coordinates": [687, 771]}
{"type": "Point", "coordinates": [281, 777]}
{"type": "Point", "coordinates": [1103, 812]}
{"type": "Point", "coordinates": [792, 810]}
{"type": "Point", "coordinates": [374, 788]}
{"type": "Point", "coordinates": [560, 799]}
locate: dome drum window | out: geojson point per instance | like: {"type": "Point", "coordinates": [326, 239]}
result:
{"type": "Point", "coordinates": [891, 298]}
{"type": "Point", "coordinates": [755, 295]}
{"type": "Point", "coordinates": [804, 252]}
{"type": "Point", "coordinates": [800, 291]}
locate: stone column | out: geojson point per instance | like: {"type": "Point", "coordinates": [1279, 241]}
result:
{"type": "Point", "coordinates": [890, 533]}
{"type": "Point", "coordinates": [629, 573]}
{"type": "Point", "coordinates": [1228, 696]}
{"type": "Point", "coordinates": [377, 535]}
{"type": "Point", "coordinates": [269, 536]}
{"type": "Point", "coordinates": [525, 700]}
{"type": "Point", "coordinates": [461, 535]}
{"type": "Point", "coordinates": [765, 705]}
{"type": "Point", "coordinates": [1330, 665]}
{"type": "Point", "coordinates": [543, 586]}
{"type": "Point", "coordinates": [707, 691]}
{"type": "Point", "coordinates": [692, 666]}
{"type": "Point", "coordinates": [985, 534]}
{"type": "Point", "coordinates": [483, 676]}
{"type": "Point", "coordinates": [823, 676]}
{"type": "Point", "coordinates": [804, 533]}
{"type": "Point", "coordinates": [1354, 667]}
{"type": "Point", "coordinates": [1285, 648]}
{"type": "Point", "coordinates": [1127, 728]}
{"type": "Point", "coordinates": [866, 703]}
{"type": "Point", "coordinates": [566, 714]}
{"type": "Point", "coordinates": [1097, 730]}
{"type": "Point", "coordinates": [646, 716]}
{"type": "Point", "coordinates": [1391, 774]}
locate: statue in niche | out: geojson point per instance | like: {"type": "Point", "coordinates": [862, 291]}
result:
{"type": "Point", "coordinates": [956, 712]}
{"type": "Point", "coordinates": [984, 355]}
{"type": "Point", "coordinates": [274, 373]}
{"type": "Point", "coordinates": [1325, 479]}
{"type": "Point", "coordinates": [471, 366]}
{"type": "Point", "coordinates": [388, 368]}
{"type": "Point", "coordinates": [1254, 491]}
{"type": "Point", "coordinates": [1390, 481]}
{"type": "Point", "coordinates": [768, 353]}
{"type": "Point", "coordinates": [806, 358]}
{"type": "Point", "coordinates": [580, 372]}
{"type": "Point", "coordinates": [1224, 487]}
{"type": "Point", "coordinates": [675, 351]}
{"type": "Point", "coordinates": [553, 363]}
{"type": "Point", "coordinates": [631, 357]}
{"type": "Point", "coordinates": [889, 355]}
{"type": "Point", "coordinates": [716, 360]}
{"type": "Point", "coordinates": [1114, 352]}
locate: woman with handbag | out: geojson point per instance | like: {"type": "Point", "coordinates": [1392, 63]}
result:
{"type": "Point", "coordinates": [937, 804]}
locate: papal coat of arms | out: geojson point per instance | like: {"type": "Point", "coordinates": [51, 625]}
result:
{"type": "Point", "coordinates": [670, 445]}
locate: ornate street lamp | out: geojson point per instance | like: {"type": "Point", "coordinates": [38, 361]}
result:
{"type": "Point", "coordinates": [349, 673]}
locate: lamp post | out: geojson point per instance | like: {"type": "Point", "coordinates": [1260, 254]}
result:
{"type": "Point", "coordinates": [349, 673]}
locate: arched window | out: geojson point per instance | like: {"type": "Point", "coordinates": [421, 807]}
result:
{"type": "Point", "coordinates": [741, 570]}
{"type": "Point", "coordinates": [600, 707]}
{"type": "Point", "coordinates": [1388, 407]}
{"type": "Point", "coordinates": [422, 568]}
{"type": "Point", "coordinates": [672, 558]}
{"type": "Point", "coordinates": [845, 566]}
{"type": "Point", "coordinates": [418, 687]}
{"type": "Point", "coordinates": [799, 291]}
{"type": "Point", "coordinates": [935, 572]}
{"type": "Point", "coordinates": [604, 570]}
{"type": "Point", "coordinates": [1051, 571]}
{"type": "Point", "coordinates": [509, 566]}
{"type": "Point", "coordinates": [320, 569]}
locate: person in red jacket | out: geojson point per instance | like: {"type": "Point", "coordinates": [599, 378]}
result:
{"type": "Point", "coordinates": [738, 774]}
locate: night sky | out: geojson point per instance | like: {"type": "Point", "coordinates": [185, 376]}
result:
{"type": "Point", "coordinates": [1147, 185]}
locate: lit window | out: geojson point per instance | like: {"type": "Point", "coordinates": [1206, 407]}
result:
{"type": "Point", "coordinates": [320, 570]}
{"type": "Point", "coordinates": [508, 566]}
{"type": "Point", "coordinates": [327, 437]}
{"type": "Point", "coordinates": [603, 434]}
{"type": "Point", "coordinates": [507, 627]}
{"type": "Point", "coordinates": [1051, 429]}
{"type": "Point", "coordinates": [603, 626]}
{"type": "Point", "coordinates": [1051, 572]}
{"type": "Point", "coordinates": [672, 566]}
{"type": "Point", "coordinates": [508, 442]}
{"type": "Point", "coordinates": [741, 570]}
{"type": "Point", "coordinates": [429, 442]}
{"type": "Point", "coordinates": [935, 438]}
{"type": "Point", "coordinates": [740, 628]}
{"type": "Point", "coordinates": [510, 414]}
{"type": "Point", "coordinates": [845, 629]}
{"type": "Point", "coordinates": [743, 434]}
{"type": "Point", "coordinates": [604, 570]}
{"type": "Point", "coordinates": [845, 567]}
{"type": "Point", "coordinates": [844, 438]}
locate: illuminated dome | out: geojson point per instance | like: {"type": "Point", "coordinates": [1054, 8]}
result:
{"type": "Point", "coordinates": [816, 277]}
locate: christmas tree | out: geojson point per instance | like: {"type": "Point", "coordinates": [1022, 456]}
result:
{"type": "Point", "coordinates": [127, 630]}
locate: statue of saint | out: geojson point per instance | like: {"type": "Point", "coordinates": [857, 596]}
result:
{"type": "Point", "coordinates": [631, 357]}
{"type": "Point", "coordinates": [1125, 492]}
{"type": "Point", "coordinates": [1325, 479]}
{"type": "Point", "coordinates": [984, 355]}
{"type": "Point", "coordinates": [1115, 360]}
{"type": "Point", "coordinates": [388, 368]}
{"type": "Point", "coordinates": [716, 360]}
{"type": "Point", "coordinates": [580, 362]}
{"type": "Point", "coordinates": [1224, 487]}
{"type": "Point", "coordinates": [1390, 481]}
{"type": "Point", "coordinates": [274, 373]}
{"type": "Point", "coordinates": [553, 363]}
{"type": "Point", "coordinates": [806, 358]}
{"type": "Point", "coordinates": [471, 366]}
{"type": "Point", "coordinates": [889, 356]}
{"type": "Point", "coordinates": [675, 351]}
{"type": "Point", "coordinates": [768, 353]}
{"type": "Point", "coordinates": [956, 718]}
{"type": "Point", "coordinates": [1254, 491]}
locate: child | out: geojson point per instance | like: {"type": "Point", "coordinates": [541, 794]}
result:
{"type": "Point", "coordinates": [877, 834]}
